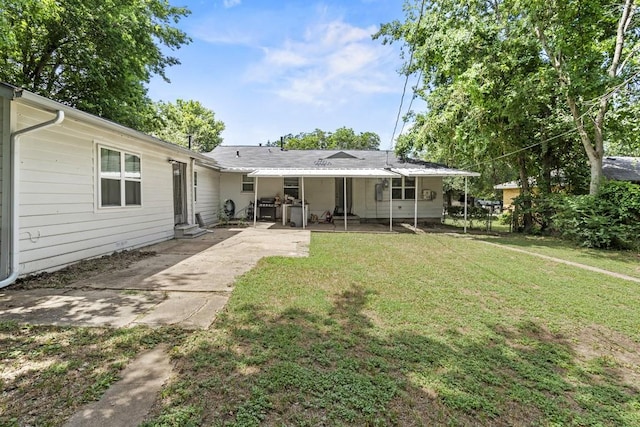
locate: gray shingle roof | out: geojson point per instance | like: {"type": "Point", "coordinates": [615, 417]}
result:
{"type": "Point", "coordinates": [622, 168]}
{"type": "Point", "coordinates": [250, 158]}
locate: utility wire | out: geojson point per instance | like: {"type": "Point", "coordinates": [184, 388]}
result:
{"type": "Point", "coordinates": [406, 80]}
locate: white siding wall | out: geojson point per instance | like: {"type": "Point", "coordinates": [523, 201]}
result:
{"type": "Point", "coordinates": [60, 221]}
{"type": "Point", "coordinates": [5, 132]}
{"type": "Point", "coordinates": [366, 206]}
{"type": "Point", "coordinates": [208, 200]}
{"type": "Point", "coordinates": [231, 189]}
{"type": "Point", "coordinates": [320, 194]}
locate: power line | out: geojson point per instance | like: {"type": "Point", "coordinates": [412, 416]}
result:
{"type": "Point", "coordinates": [406, 80]}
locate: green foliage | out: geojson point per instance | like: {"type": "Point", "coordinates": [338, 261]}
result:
{"type": "Point", "coordinates": [610, 219]}
{"type": "Point", "coordinates": [342, 139]}
{"type": "Point", "coordinates": [184, 118]}
{"type": "Point", "coordinates": [501, 76]}
{"type": "Point", "coordinates": [95, 55]}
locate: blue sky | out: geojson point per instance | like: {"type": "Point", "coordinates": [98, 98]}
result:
{"type": "Point", "coordinates": [270, 68]}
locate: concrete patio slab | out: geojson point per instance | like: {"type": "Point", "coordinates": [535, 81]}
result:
{"type": "Point", "coordinates": [185, 284]}
{"type": "Point", "coordinates": [190, 310]}
{"type": "Point", "coordinates": [73, 307]}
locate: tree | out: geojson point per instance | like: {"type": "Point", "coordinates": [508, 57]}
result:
{"type": "Point", "coordinates": [342, 139]}
{"type": "Point", "coordinates": [94, 55]}
{"type": "Point", "coordinates": [184, 118]}
{"type": "Point", "coordinates": [593, 47]}
{"type": "Point", "coordinates": [503, 74]}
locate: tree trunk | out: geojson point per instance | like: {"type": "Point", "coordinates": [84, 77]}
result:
{"type": "Point", "coordinates": [527, 220]}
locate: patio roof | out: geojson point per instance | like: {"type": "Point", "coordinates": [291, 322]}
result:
{"type": "Point", "coordinates": [433, 172]}
{"type": "Point", "coordinates": [323, 173]}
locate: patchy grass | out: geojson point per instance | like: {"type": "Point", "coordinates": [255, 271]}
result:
{"type": "Point", "coordinates": [413, 330]}
{"type": "Point", "coordinates": [83, 269]}
{"type": "Point", "coordinates": [617, 261]}
{"type": "Point", "coordinates": [47, 373]}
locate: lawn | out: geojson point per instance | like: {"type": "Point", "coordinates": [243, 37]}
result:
{"type": "Point", "coordinates": [371, 329]}
{"type": "Point", "coordinates": [617, 261]}
{"type": "Point", "coordinates": [413, 330]}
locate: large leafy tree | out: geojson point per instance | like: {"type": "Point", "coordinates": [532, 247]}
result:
{"type": "Point", "coordinates": [342, 139]}
{"type": "Point", "coordinates": [95, 55]}
{"type": "Point", "coordinates": [503, 75]}
{"type": "Point", "coordinates": [184, 119]}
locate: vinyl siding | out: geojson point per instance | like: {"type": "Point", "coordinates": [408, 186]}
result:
{"type": "Point", "coordinates": [208, 200]}
{"type": "Point", "coordinates": [366, 206]}
{"type": "Point", "coordinates": [320, 194]}
{"type": "Point", "coordinates": [60, 220]}
{"type": "Point", "coordinates": [231, 189]}
{"type": "Point", "coordinates": [5, 133]}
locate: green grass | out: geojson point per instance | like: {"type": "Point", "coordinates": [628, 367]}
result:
{"type": "Point", "coordinates": [478, 225]}
{"type": "Point", "coordinates": [47, 373]}
{"type": "Point", "coordinates": [617, 261]}
{"type": "Point", "coordinates": [413, 330]}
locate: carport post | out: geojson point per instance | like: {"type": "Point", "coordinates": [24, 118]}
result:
{"type": "Point", "coordinates": [415, 207]}
{"type": "Point", "coordinates": [255, 203]}
{"type": "Point", "coordinates": [344, 180]}
{"type": "Point", "coordinates": [390, 204]}
{"type": "Point", "coordinates": [465, 204]}
{"type": "Point", "coordinates": [304, 214]}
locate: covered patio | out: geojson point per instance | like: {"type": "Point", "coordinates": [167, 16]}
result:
{"type": "Point", "coordinates": [373, 173]}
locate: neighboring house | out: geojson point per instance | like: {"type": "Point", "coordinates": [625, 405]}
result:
{"type": "Point", "coordinates": [616, 168]}
{"type": "Point", "coordinates": [622, 168]}
{"type": "Point", "coordinates": [367, 185]}
{"type": "Point", "coordinates": [510, 190]}
{"type": "Point", "coordinates": [75, 186]}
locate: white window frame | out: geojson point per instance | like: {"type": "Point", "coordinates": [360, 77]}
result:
{"type": "Point", "coordinates": [248, 181]}
{"type": "Point", "coordinates": [122, 176]}
{"type": "Point", "coordinates": [195, 186]}
{"type": "Point", "coordinates": [295, 187]}
{"type": "Point", "coordinates": [403, 187]}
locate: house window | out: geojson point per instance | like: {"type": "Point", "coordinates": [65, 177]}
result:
{"type": "Point", "coordinates": [403, 188]}
{"type": "Point", "coordinates": [247, 183]}
{"type": "Point", "coordinates": [195, 186]}
{"type": "Point", "coordinates": [120, 178]}
{"type": "Point", "coordinates": [292, 187]}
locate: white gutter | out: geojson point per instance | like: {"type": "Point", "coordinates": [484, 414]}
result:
{"type": "Point", "coordinates": [193, 199]}
{"type": "Point", "coordinates": [15, 194]}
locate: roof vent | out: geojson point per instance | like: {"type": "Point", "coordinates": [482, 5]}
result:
{"type": "Point", "coordinates": [341, 155]}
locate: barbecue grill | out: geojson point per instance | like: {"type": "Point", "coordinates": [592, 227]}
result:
{"type": "Point", "coordinates": [267, 208]}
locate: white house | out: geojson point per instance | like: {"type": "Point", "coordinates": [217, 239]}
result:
{"type": "Point", "coordinates": [368, 185]}
{"type": "Point", "coordinates": [76, 186]}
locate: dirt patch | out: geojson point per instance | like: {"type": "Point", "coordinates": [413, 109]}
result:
{"type": "Point", "coordinates": [82, 270]}
{"type": "Point", "coordinates": [616, 353]}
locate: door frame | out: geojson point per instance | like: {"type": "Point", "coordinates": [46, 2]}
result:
{"type": "Point", "coordinates": [180, 203]}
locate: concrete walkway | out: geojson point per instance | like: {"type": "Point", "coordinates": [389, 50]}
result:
{"type": "Point", "coordinates": [128, 401]}
{"type": "Point", "coordinates": [185, 284]}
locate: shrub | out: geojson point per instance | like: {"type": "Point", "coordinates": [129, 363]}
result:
{"type": "Point", "coordinates": [610, 219]}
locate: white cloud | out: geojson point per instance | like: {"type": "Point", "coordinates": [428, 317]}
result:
{"type": "Point", "coordinates": [231, 3]}
{"type": "Point", "coordinates": [329, 63]}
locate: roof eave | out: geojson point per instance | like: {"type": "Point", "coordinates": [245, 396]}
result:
{"type": "Point", "coordinates": [38, 101]}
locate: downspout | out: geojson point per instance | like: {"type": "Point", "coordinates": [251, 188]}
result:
{"type": "Point", "coordinates": [255, 204]}
{"type": "Point", "coordinates": [193, 199]}
{"type": "Point", "coordinates": [15, 194]}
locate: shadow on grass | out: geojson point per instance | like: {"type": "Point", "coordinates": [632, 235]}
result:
{"type": "Point", "coordinates": [300, 368]}
{"type": "Point", "coordinates": [47, 373]}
